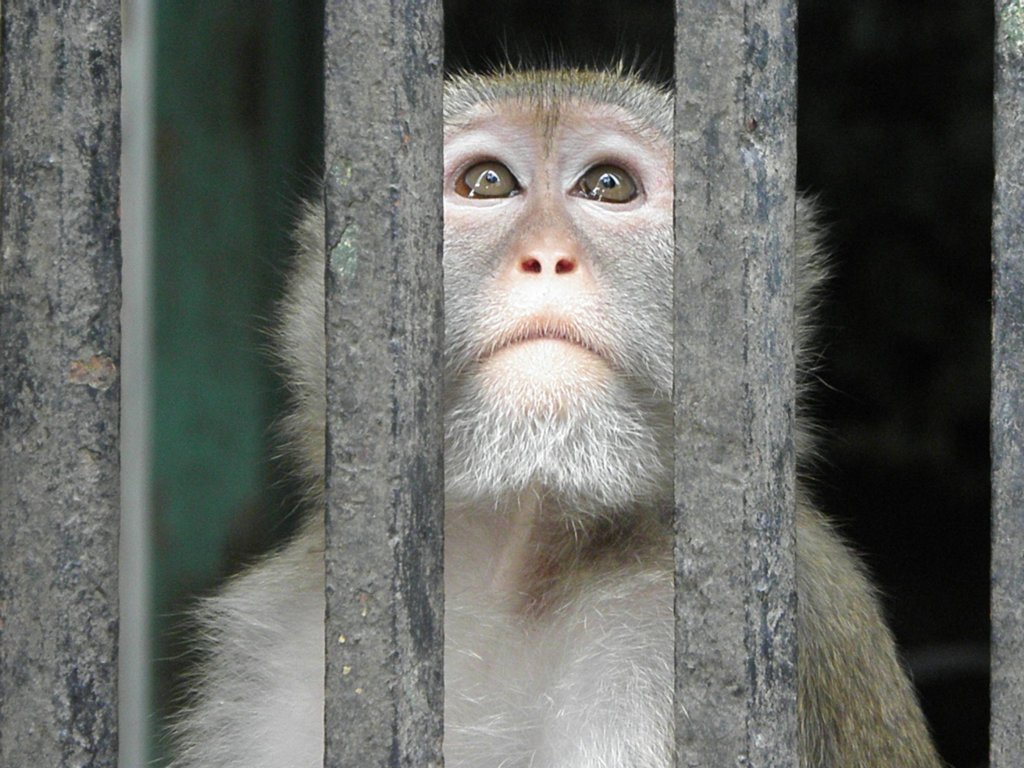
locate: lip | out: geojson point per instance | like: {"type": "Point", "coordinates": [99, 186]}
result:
{"type": "Point", "coordinates": [544, 329]}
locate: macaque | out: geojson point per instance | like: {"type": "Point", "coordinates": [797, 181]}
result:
{"type": "Point", "coordinates": [558, 194]}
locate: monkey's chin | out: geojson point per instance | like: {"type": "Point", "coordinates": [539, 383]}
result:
{"type": "Point", "coordinates": [544, 376]}
{"type": "Point", "coordinates": [558, 417]}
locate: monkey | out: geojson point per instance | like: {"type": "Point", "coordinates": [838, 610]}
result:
{"type": "Point", "coordinates": [558, 252]}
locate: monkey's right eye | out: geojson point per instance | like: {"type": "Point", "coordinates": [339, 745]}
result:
{"type": "Point", "coordinates": [487, 179]}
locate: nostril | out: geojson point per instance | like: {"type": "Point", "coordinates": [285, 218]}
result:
{"type": "Point", "coordinates": [564, 266]}
{"type": "Point", "coordinates": [530, 265]}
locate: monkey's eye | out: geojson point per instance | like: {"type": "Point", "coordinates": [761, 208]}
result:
{"type": "Point", "coordinates": [487, 179]}
{"type": "Point", "coordinates": [608, 184]}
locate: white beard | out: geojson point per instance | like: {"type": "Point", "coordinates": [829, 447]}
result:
{"type": "Point", "coordinates": [608, 448]}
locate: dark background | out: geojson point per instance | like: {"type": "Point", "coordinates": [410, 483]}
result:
{"type": "Point", "coordinates": [894, 138]}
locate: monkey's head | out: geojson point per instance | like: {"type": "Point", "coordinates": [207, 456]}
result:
{"type": "Point", "coordinates": [558, 293]}
{"type": "Point", "coordinates": [558, 287]}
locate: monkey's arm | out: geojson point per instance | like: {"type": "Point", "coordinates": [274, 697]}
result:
{"type": "Point", "coordinates": [857, 707]}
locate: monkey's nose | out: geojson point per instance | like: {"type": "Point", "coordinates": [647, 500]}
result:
{"type": "Point", "coordinates": [546, 260]}
{"type": "Point", "coordinates": [547, 252]}
{"type": "Point", "coordinates": [558, 265]}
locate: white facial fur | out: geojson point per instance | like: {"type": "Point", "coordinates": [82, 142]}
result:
{"type": "Point", "coordinates": [558, 310]}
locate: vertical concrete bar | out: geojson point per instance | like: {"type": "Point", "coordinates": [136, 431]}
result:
{"type": "Point", "coordinates": [60, 300]}
{"type": "Point", "coordinates": [383, 137]}
{"type": "Point", "coordinates": [1007, 724]}
{"type": "Point", "coordinates": [735, 383]}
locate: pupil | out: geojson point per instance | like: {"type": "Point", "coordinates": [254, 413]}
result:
{"type": "Point", "coordinates": [490, 177]}
{"type": "Point", "coordinates": [608, 181]}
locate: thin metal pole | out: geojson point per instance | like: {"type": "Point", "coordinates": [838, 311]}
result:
{"type": "Point", "coordinates": [135, 705]}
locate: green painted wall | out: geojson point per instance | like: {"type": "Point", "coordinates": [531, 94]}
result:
{"type": "Point", "coordinates": [237, 136]}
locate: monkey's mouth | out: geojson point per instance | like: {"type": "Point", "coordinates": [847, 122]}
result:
{"type": "Point", "coordinates": [543, 366]}
{"type": "Point", "coordinates": [544, 329]}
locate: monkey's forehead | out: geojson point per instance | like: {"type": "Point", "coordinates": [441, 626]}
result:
{"type": "Point", "coordinates": [547, 94]}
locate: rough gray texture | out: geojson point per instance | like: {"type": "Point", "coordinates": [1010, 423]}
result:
{"type": "Point", "coordinates": [1007, 729]}
{"type": "Point", "coordinates": [59, 349]}
{"type": "Point", "coordinates": [384, 330]}
{"type": "Point", "coordinates": [735, 197]}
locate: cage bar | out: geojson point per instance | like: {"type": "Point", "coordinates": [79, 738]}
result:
{"type": "Point", "coordinates": [735, 383]}
{"type": "Point", "coordinates": [384, 635]}
{"type": "Point", "coordinates": [59, 357]}
{"type": "Point", "coordinates": [1007, 688]}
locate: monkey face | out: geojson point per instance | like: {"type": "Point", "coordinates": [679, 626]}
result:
{"type": "Point", "coordinates": [558, 275]}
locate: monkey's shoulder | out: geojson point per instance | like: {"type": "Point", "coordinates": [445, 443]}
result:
{"type": "Point", "coordinates": [256, 698]}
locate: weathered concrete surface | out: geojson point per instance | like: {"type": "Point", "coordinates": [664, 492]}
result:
{"type": "Point", "coordinates": [384, 330]}
{"type": "Point", "coordinates": [59, 359]}
{"type": "Point", "coordinates": [1007, 729]}
{"type": "Point", "coordinates": [735, 383]}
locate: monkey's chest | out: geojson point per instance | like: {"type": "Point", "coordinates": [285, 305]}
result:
{"type": "Point", "coordinates": [586, 681]}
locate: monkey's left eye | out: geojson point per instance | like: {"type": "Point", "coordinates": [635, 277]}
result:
{"type": "Point", "coordinates": [608, 184]}
{"type": "Point", "coordinates": [487, 179]}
